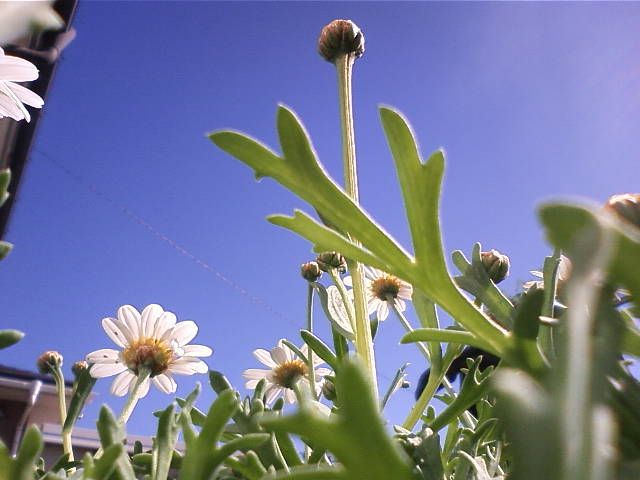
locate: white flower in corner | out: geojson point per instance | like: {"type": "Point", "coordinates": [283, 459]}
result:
{"type": "Point", "coordinates": [381, 289]}
{"type": "Point", "coordinates": [14, 96]}
{"type": "Point", "coordinates": [153, 340]}
{"type": "Point", "coordinates": [285, 369]}
{"type": "Point", "coordinates": [19, 18]}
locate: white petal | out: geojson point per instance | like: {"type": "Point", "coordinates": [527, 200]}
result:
{"type": "Point", "coordinates": [272, 393]}
{"type": "Point", "coordinates": [148, 319]}
{"type": "Point", "coordinates": [400, 305]}
{"type": "Point", "coordinates": [373, 304]}
{"type": "Point", "coordinates": [130, 317]}
{"type": "Point", "coordinates": [188, 366]}
{"type": "Point", "coordinates": [25, 95]}
{"type": "Point", "coordinates": [144, 388]}
{"type": "Point", "coordinates": [165, 325]}
{"type": "Point", "coordinates": [9, 107]}
{"type": "Point", "coordinates": [100, 370]}
{"type": "Point", "coordinates": [536, 273]}
{"type": "Point", "coordinates": [290, 396]}
{"type": "Point", "coordinates": [105, 355]}
{"type": "Point", "coordinates": [184, 332]}
{"type": "Point", "coordinates": [165, 383]}
{"type": "Point", "coordinates": [255, 374]}
{"type": "Point", "coordinates": [122, 383]}
{"type": "Point", "coordinates": [383, 311]}
{"type": "Point", "coordinates": [197, 351]}
{"type": "Point", "coordinates": [279, 355]}
{"type": "Point", "coordinates": [348, 281]}
{"type": "Point", "coordinates": [264, 357]}
{"type": "Point", "coordinates": [117, 332]}
{"type": "Point", "coordinates": [251, 384]}
{"type": "Point", "coordinates": [405, 292]}
{"type": "Point", "coordinates": [17, 69]}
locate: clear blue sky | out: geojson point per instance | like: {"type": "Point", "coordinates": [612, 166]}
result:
{"type": "Point", "coordinates": [529, 100]}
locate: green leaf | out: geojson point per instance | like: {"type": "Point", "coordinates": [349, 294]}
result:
{"type": "Point", "coordinates": [82, 389]}
{"type": "Point", "coordinates": [30, 448]}
{"type": "Point", "coordinates": [525, 330]}
{"type": "Point", "coordinates": [9, 337]}
{"type": "Point", "coordinates": [111, 433]}
{"type": "Point", "coordinates": [164, 444]}
{"type": "Point", "coordinates": [106, 464]}
{"type": "Point", "coordinates": [5, 179]}
{"type": "Point", "coordinates": [320, 348]}
{"type": "Point", "coordinates": [5, 249]}
{"type": "Point", "coordinates": [442, 335]}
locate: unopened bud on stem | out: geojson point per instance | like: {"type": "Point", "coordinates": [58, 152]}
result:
{"type": "Point", "coordinates": [332, 260]}
{"type": "Point", "coordinates": [310, 271]}
{"type": "Point", "coordinates": [79, 367]}
{"type": "Point", "coordinates": [340, 37]}
{"type": "Point", "coordinates": [496, 264]}
{"type": "Point", "coordinates": [626, 207]}
{"type": "Point", "coordinates": [49, 361]}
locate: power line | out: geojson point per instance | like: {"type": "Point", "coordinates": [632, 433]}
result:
{"type": "Point", "coordinates": [163, 237]}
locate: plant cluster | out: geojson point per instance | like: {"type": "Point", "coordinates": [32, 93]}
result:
{"type": "Point", "coordinates": [546, 390]}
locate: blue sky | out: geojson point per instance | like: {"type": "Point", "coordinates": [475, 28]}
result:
{"type": "Point", "coordinates": [530, 101]}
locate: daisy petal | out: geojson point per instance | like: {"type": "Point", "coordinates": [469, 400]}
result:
{"type": "Point", "coordinates": [255, 374]}
{"type": "Point", "coordinates": [148, 319]}
{"type": "Point", "coordinates": [130, 317]}
{"type": "Point", "coordinates": [122, 383]}
{"type": "Point", "coordinates": [17, 69]}
{"type": "Point", "coordinates": [188, 366]}
{"type": "Point", "coordinates": [197, 351]}
{"type": "Point", "coordinates": [164, 325]}
{"type": "Point", "coordinates": [264, 357]}
{"type": "Point", "coordinates": [105, 355]}
{"type": "Point", "coordinates": [383, 311]}
{"type": "Point", "coordinates": [184, 332]}
{"type": "Point", "coordinates": [279, 355]}
{"type": "Point", "coordinates": [289, 396]}
{"type": "Point", "coordinates": [100, 370]}
{"type": "Point", "coordinates": [25, 95]}
{"type": "Point", "coordinates": [322, 372]}
{"type": "Point", "coordinates": [400, 305]}
{"type": "Point", "coordinates": [251, 384]}
{"type": "Point", "coordinates": [272, 393]}
{"type": "Point", "coordinates": [165, 383]}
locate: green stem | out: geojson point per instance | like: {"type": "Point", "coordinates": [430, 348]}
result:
{"type": "Point", "coordinates": [550, 279]}
{"type": "Point", "coordinates": [466, 416]}
{"type": "Point", "coordinates": [132, 400]}
{"type": "Point", "coordinates": [312, 372]}
{"type": "Point", "coordinates": [62, 408]}
{"type": "Point", "coordinates": [364, 342]}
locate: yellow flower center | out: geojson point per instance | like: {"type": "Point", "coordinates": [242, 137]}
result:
{"type": "Point", "coordinates": [386, 285]}
{"type": "Point", "coordinates": [151, 353]}
{"type": "Point", "coordinates": [286, 374]}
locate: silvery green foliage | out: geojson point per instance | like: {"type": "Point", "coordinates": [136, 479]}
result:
{"type": "Point", "coordinates": [562, 404]}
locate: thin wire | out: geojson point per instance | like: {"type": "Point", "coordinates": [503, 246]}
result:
{"type": "Point", "coordinates": [163, 237]}
{"type": "Point", "coordinates": [168, 240]}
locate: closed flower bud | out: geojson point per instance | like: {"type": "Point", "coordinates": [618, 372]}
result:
{"type": "Point", "coordinates": [79, 367]}
{"type": "Point", "coordinates": [310, 271]}
{"type": "Point", "coordinates": [626, 207]}
{"type": "Point", "coordinates": [340, 37]}
{"type": "Point", "coordinates": [49, 361]}
{"type": "Point", "coordinates": [329, 389]}
{"type": "Point", "coordinates": [332, 260]}
{"type": "Point", "coordinates": [496, 265]}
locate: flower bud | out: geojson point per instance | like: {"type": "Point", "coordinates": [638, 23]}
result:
{"type": "Point", "coordinates": [340, 37]}
{"type": "Point", "coordinates": [329, 389]}
{"type": "Point", "coordinates": [79, 367]}
{"type": "Point", "coordinates": [626, 207]}
{"type": "Point", "coordinates": [310, 271]}
{"type": "Point", "coordinates": [496, 265]}
{"type": "Point", "coordinates": [332, 260]}
{"type": "Point", "coordinates": [49, 361]}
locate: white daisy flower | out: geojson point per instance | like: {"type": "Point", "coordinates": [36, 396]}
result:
{"type": "Point", "coordinates": [14, 96]}
{"type": "Point", "coordinates": [153, 340]}
{"type": "Point", "coordinates": [285, 368]}
{"type": "Point", "coordinates": [381, 289]}
{"type": "Point", "coordinates": [18, 18]}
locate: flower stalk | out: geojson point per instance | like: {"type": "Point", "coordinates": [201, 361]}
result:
{"type": "Point", "coordinates": [364, 342]}
{"type": "Point", "coordinates": [312, 372]}
{"type": "Point", "coordinates": [58, 376]}
{"type": "Point", "coordinates": [134, 395]}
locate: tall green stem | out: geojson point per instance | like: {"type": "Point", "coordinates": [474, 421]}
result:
{"type": "Point", "coordinates": [364, 342]}
{"type": "Point", "coordinates": [312, 372]}
{"type": "Point", "coordinates": [132, 400]}
{"type": "Point", "coordinates": [62, 408]}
